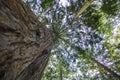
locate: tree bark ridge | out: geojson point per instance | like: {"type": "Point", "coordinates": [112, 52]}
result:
{"type": "Point", "coordinates": [22, 40]}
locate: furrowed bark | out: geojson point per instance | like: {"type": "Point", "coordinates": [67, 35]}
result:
{"type": "Point", "coordinates": [25, 43]}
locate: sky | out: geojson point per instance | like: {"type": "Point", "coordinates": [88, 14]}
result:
{"type": "Point", "coordinates": [64, 3]}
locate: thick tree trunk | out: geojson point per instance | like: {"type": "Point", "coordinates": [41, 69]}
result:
{"type": "Point", "coordinates": [25, 43]}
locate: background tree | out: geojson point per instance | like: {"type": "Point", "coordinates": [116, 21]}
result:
{"type": "Point", "coordinates": [85, 46]}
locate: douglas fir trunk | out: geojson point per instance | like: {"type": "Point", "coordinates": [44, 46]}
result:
{"type": "Point", "coordinates": [25, 43]}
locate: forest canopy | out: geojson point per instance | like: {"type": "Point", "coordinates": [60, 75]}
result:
{"type": "Point", "coordinates": [87, 46]}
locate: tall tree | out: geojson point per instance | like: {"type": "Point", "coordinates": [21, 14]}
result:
{"type": "Point", "coordinates": [25, 43]}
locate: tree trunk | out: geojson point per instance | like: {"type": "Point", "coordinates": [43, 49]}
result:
{"type": "Point", "coordinates": [25, 43]}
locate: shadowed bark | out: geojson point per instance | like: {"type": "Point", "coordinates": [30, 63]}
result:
{"type": "Point", "coordinates": [25, 43]}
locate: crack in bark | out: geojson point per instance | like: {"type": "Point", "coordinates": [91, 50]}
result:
{"type": "Point", "coordinates": [23, 42]}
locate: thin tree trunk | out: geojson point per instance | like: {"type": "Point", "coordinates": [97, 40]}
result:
{"type": "Point", "coordinates": [60, 68]}
{"type": "Point", "coordinates": [25, 43]}
{"type": "Point", "coordinates": [106, 68]}
{"type": "Point", "coordinates": [93, 59]}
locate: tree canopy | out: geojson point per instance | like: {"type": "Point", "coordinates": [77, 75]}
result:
{"type": "Point", "coordinates": [87, 42]}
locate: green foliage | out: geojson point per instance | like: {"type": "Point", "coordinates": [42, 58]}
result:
{"type": "Point", "coordinates": [97, 20]}
{"type": "Point", "coordinates": [92, 17]}
{"type": "Point", "coordinates": [47, 3]}
{"type": "Point", "coordinates": [111, 7]}
{"type": "Point", "coordinates": [87, 49]}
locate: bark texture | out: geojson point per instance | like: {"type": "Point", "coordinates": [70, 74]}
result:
{"type": "Point", "coordinates": [25, 43]}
